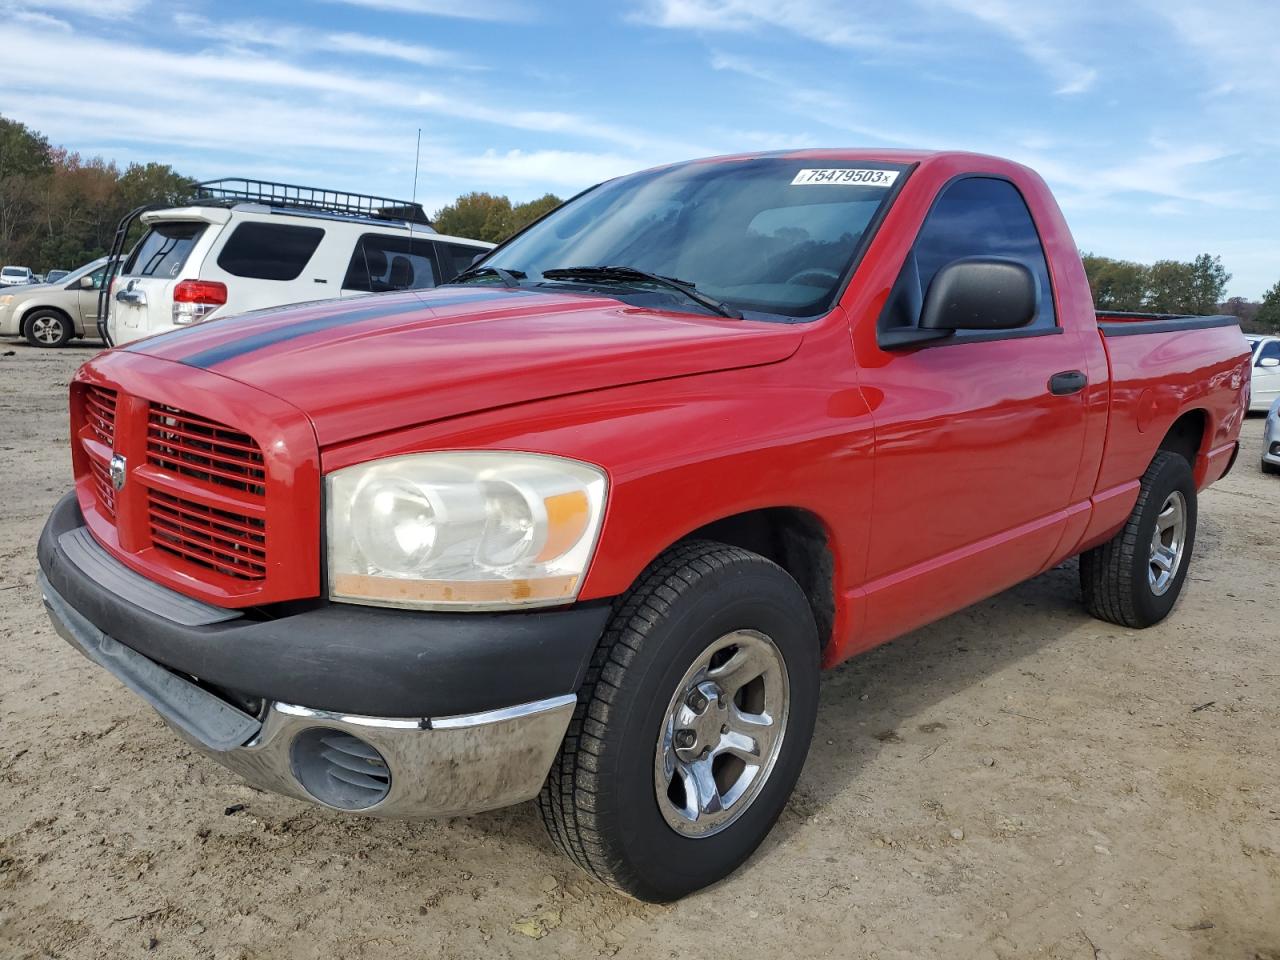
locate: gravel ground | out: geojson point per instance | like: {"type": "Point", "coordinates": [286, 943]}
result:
{"type": "Point", "coordinates": [1016, 781]}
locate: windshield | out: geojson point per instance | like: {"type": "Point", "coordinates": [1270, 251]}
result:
{"type": "Point", "coordinates": [14, 272]}
{"type": "Point", "coordinates": [769, 236]}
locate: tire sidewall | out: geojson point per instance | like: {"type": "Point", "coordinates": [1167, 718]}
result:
{"type": "Point", "coordinates": [1173, 474]}
{"type": "Point", "coordinates": [752, 596]}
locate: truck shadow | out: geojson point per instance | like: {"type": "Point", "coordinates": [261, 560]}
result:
{"type": "Point", "coordinates": [888, 698]}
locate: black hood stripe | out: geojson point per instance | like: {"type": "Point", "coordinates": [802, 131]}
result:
{"type": "Point", "coordinates": [245, 345]}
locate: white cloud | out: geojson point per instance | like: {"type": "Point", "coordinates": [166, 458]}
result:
{"type": "Point", "coordinates": [1239, 40]}
{"type": "Point", "coordinates": [1036, 29]}
{"type": "Point", "coordinates": [814, 20]}
{"type": "Point", "coordinates": [506, 10]}
{"type": "Point", "coordinates": [243, 34]}
{"type": "Point", "coordinates": [98, 9]}
{"type": "Point", "coordinates": [150, 75]}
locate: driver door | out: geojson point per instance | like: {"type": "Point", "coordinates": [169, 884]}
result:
{"type": "Point", "coordinates": [978, 441]}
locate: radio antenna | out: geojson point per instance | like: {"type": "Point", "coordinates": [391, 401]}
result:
{"type": "Point", "coordinates": [413, 203]}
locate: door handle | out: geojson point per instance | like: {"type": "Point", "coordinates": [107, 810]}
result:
{"type": "Point", "coordinates": [1066, 383]}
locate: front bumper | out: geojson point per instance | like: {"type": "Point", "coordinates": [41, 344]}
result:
{"type": "Point", "coordinates": [457, 752]}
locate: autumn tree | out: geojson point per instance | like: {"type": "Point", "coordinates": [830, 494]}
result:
{"type": "Point", "coordinates": [483, 216]}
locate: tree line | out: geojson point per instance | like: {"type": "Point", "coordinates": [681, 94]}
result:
{"type": "Point", "coordinates": [59, 210]}
{"type": "Point", "coordinates": [1175, 286]}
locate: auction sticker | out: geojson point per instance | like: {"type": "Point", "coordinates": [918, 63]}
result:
{"type": "Point", "coordinates": [845, 177]}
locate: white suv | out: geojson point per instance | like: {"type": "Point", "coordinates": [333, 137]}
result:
{"type": "Point", "coordinates": [245, 245]}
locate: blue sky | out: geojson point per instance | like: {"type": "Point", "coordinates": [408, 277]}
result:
{"type": "Point", "coordinates": [1157, 122]}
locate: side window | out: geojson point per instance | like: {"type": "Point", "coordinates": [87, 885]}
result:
{"type": "Point", "coordinates": [381, 263]}
{"type": "Point", "coordinates": [974, 217]}
{"type": "Point", "coordinates": [269, 251]}
{"type": "Point", "coordinates": [456, 257]}
{"type": "Point", "coordinates": [97, 276]}
{"type": "Point", "coordinates": [1269, 351]}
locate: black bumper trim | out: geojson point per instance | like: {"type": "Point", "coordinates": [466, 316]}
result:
{"type": "Point", "coordinates": [346, 658]}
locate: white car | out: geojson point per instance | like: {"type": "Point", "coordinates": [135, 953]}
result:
{"type": "Point", "coordinates": [16, 276]}
{"type": "Point", "coordinates": [1271, 440]}
{"type": "Point", "coordinates": [1265, 388]}
{"type": "Point", "coordinates": [246, 245]}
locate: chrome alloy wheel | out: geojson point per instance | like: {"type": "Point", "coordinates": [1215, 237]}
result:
{"type": "Point", "coordinates": [1168, 543]}
{"type": "Point", "coordinates": [47, 329]}
{"type": "Point", "coordinates": [721, 734]}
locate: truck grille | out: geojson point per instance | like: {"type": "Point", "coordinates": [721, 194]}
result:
{"type": "Point", "coordinates": [229, 543]}
{"type": "Point", "coordinates": [100, 419]}
{"type": "Point", "coordinates": [100, 413]}
{"type": "Point", "coordinates": [204, 450]}
{"type": "Point", "coordinates": [194, 501]}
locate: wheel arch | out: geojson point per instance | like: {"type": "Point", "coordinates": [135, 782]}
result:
{"type": "Point", "coordinates": [1188, 436]}
{"type": "Point", "coordinates": [794, 538]}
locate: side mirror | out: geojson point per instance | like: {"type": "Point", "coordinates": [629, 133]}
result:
{"type": "Point", "coordinates": [980, 293]}
{"type": "Point", "coordinates": [1269, 362]}
{"type": "Point", "coordinates": [86, 283]}
{"type": "Point", "coordinates": [478, 257]}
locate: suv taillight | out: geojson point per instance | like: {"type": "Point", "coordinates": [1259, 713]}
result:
{"type": "Point", "coordinates": [194, 300]}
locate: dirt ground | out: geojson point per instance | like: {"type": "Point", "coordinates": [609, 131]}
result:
{"type": "Point", "coordinates": [1016, 781]}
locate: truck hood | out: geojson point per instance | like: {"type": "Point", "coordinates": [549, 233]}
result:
{"type": "Point", "coordinates": [375, 363]}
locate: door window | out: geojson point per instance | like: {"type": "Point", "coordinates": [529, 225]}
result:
{"type": "Point", "coordinates": [1269, 351]}
{"type": "Point", "coordinates": [974, 217]}
{"type": "Point", "coordinates": [381, 263]}
{"type": "Point", "coordinates": [269, 251]}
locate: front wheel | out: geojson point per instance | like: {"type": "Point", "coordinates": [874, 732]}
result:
{"type": "Point", "coordinates": [48, 328]}
{"type": "Point", "coordinates": [1135, 578]}
{"type": "Point", "coordinates": [692, 725]}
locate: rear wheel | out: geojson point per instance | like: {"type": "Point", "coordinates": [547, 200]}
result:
{"type": "Point", "coordinates": [1135, 578]}
{"type": "Point", "coordinates": [692, 725]}
{"type": "Point", "coordinates": [48, 328]}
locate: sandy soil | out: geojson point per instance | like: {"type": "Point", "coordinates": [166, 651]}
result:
{"type": "Point", "coordinates": [1016, 781]}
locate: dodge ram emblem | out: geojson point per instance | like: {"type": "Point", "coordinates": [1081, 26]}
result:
{"type": "Point", "coordinates": [118, 474]}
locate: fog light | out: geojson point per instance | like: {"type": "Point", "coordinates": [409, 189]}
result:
{"type": "Point", "coordinates": [338, 769]}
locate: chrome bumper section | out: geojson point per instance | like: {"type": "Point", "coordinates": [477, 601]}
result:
{"type": "Point", "coordinates": [435, 766]}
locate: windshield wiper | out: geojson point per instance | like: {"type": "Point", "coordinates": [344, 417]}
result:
{"type": "Point", "coordinates": [509, 278]}
{"type": "Point", "coordinates": [619, 274]}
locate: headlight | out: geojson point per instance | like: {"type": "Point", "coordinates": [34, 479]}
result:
{"type": "Point", "coordinates": [474, 530]}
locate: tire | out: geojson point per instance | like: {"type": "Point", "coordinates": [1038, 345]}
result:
{"type": "Point", "coordinates": [1121, 578]}
{"type": "Point", "coordinates": [605, 803]}
{"type": "Point", "coordinates": [48, 328]}
{"type": "Point", "coordinates": [1269, 467]}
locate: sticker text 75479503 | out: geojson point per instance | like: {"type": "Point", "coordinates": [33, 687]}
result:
{"type": "Point", "coordinates": [846, 177]}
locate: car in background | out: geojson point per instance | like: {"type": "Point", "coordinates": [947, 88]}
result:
{"type": "Point", "coordinates": [15, 276]}
{"type": "Point", "coordinates": [241, 245]}
{"type": "Point", "coordinates": [1266, 372]}
{"type": "Point", "coordinates": [53, 276]}
{"type": "Point", "coordinates": [51, 314]}
{"type": "Point", "coordinates": [1271, 440]}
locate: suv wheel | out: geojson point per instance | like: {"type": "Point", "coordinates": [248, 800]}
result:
{"type": "Point", "coordinates": [48, 328]}
{"type": "Point", "coordinates": [692, 725]}
{"type": "Point", "coordinates": [1135, 578]}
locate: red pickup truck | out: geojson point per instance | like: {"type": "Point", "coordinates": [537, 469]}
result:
{"type": "Point", "coordinates": [585, 524]}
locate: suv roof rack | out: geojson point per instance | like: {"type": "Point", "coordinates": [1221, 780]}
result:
{"type": "Point", "coordinates": [232, 190]}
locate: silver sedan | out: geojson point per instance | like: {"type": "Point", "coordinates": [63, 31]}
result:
{"type": "Point", "coordinates": [1271, 440]}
